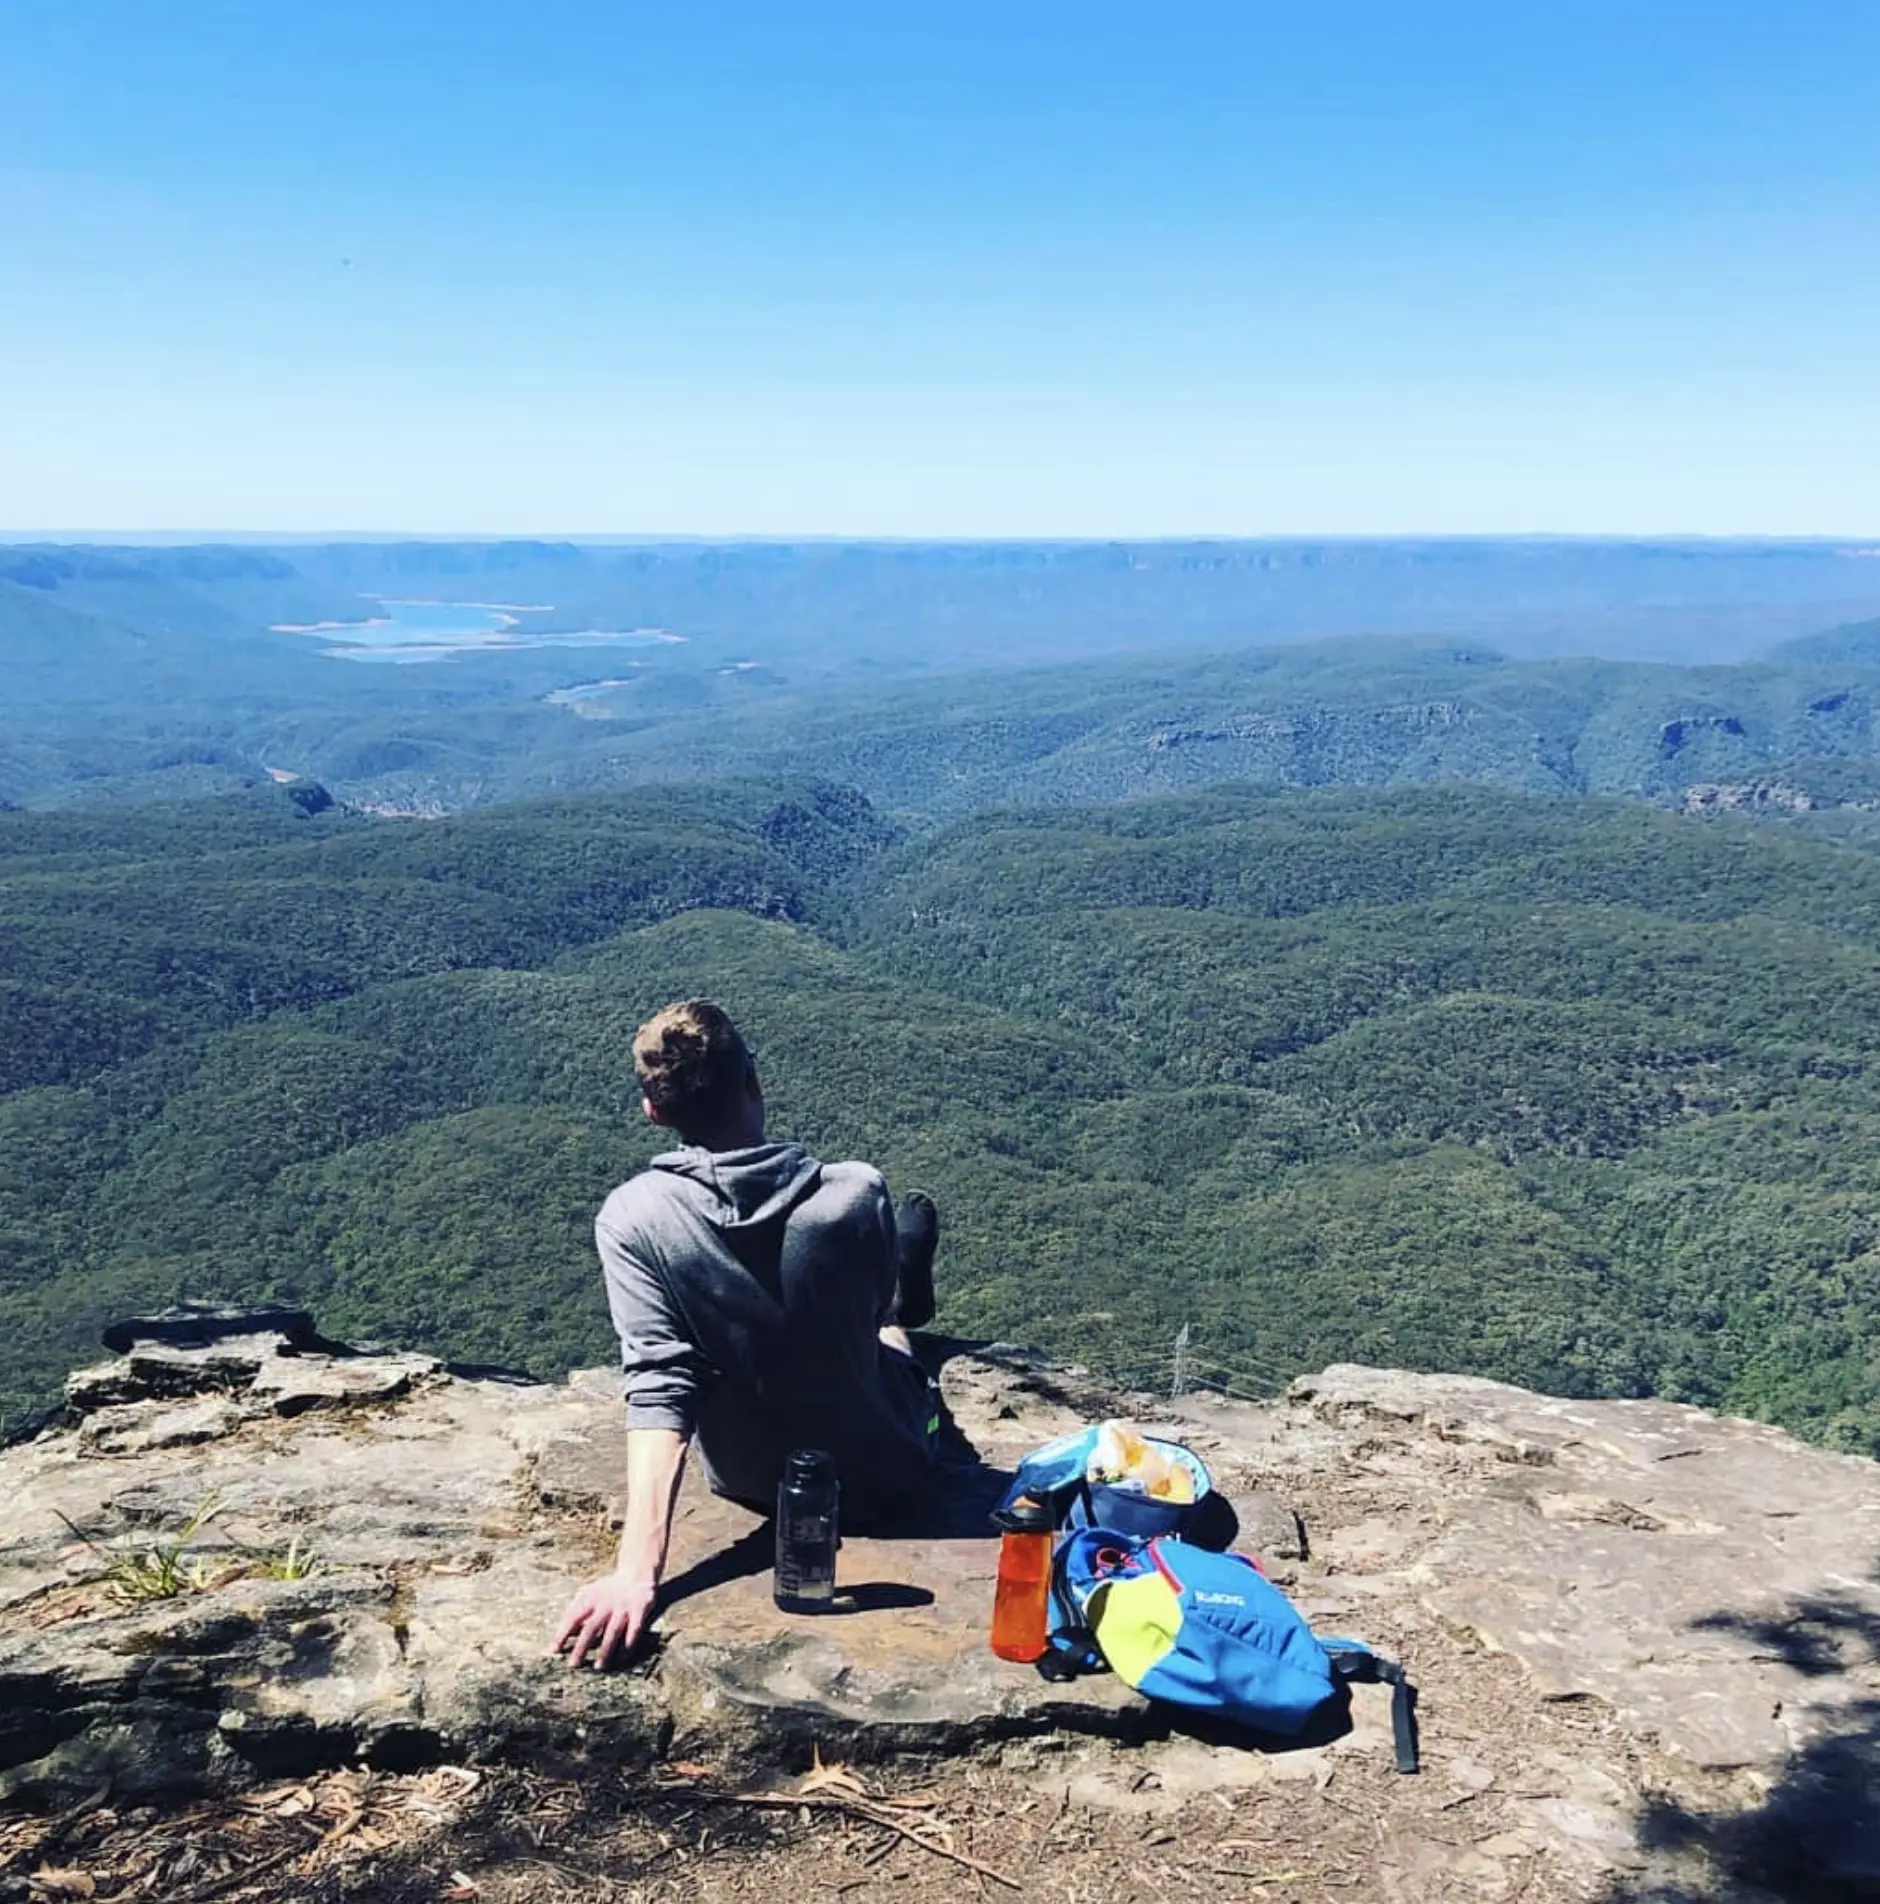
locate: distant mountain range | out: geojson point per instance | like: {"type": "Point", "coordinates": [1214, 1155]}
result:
{"type": "Point", "coordinates": [943, 677]}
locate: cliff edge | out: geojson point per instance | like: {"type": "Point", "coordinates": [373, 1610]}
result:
{"type": "Point", "coordinates": [250, 1563]}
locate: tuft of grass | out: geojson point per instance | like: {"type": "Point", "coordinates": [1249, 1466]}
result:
{"type": "Point", "coordinates": [297, 1563]}
{"type": "Point", "coordinates": [161, 1571]}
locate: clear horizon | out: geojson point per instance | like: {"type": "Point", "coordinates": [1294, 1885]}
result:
{"type": "Point", "coordinates": [1082, 273]}
{"type": "Point", "coordinates": [1863, 545]}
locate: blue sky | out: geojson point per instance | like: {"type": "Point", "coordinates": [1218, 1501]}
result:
{"type": "Point", "coordinates": [1179, 267]}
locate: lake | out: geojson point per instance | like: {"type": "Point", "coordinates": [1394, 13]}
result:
{"type": "Point", "coordinates": [412, 631]}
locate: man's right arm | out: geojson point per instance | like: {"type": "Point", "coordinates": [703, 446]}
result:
{"type": "Point", "coordinates": [613, 1611]}
{"type": "Point", "coordinates": [664, 1373]}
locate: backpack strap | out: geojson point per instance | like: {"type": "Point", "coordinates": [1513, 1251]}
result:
{"type": "Point", "coordinates": [1071, 1649]}
{"type": "Point", "coordinates": [1358, 1664]}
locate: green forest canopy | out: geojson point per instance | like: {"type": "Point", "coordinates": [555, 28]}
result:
{"type": "Point", "coordinates": [1574, 1094]}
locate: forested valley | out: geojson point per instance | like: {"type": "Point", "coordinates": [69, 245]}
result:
{"type": "Point", "coordinates": [1574, 1093]}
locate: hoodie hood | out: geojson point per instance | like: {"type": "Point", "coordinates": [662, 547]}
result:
{"type": "Point", "coordinates": [741, 1189]}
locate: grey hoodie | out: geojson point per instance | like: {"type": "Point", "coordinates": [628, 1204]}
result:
{"type": "Point", "coordinates": [746, 1287]}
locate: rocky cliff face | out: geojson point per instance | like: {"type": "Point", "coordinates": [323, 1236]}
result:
{"type": "Point", "coordinates": [1648, 1640]}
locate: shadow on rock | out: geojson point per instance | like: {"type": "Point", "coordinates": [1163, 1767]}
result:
{"type": "Point", "coordinates": [880, 1596]}
{"type": "Point", "coordinates": [493, 1372]}
{"type": "Point", "coordinates": [751, 1553]}
{"type": "Point", "coordinates": [1816, 1838]}
{"type": "Point", "coordinates": [1333, 1721]}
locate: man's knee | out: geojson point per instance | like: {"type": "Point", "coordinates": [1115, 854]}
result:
{"type": "Point", "coordinates": [917, 1232]}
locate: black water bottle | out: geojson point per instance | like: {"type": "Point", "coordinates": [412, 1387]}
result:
{"type": "Point", "coordinates": [807, 1533]}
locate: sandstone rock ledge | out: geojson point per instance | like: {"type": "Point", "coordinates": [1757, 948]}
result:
{"type": "Point", "coordinates": [1651, 1635]}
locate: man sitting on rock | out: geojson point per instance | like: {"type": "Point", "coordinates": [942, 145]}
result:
{"type": "Point", "coordinates": [762, 1301]}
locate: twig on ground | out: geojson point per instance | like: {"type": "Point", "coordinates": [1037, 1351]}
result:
{"type": "Point", "coordinates": [580, 1872]}
{"type": "Point", "coordinates": [234, 1880]}
{"type": "Point", "coordinates": [861, 1808]}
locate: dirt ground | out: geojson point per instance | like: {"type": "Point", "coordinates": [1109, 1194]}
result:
{"type": "Point", "coordinates": [510, 1838]}
{"type": "Point", "coordinates": [1048, 1818]}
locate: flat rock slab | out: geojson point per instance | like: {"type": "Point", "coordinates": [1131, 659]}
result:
{"type": "Point", "coordinates": [1714, 1582]}
{"type": "Point", "coordinates": [445, 1526]}
{"type": "Point", "coordinates": [1696, 1598]}
{"type": "Point", "coordinates": [903, 1655]}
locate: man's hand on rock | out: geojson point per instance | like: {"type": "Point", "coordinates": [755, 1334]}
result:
{"type": "Point", "coordinates": [610, 1612]}
{"type": "Point", "coordinates": [613, 1611]}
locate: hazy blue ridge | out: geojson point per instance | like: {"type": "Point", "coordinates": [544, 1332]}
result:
{"type": "Point", "coordinates": [137, 674]}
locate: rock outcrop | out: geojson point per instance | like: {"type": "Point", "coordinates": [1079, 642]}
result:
{"type": "Point", "coordinates": [1747, 796]}
{"type": "Point", "coordinates": [1646, 1637]}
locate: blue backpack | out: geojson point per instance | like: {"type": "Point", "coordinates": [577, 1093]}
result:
{"type": "Point", "coordinates": [1206, 1631]}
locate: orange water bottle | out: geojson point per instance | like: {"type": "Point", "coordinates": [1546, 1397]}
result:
{"type": "Point", "coordinates": [1021, 1602]}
